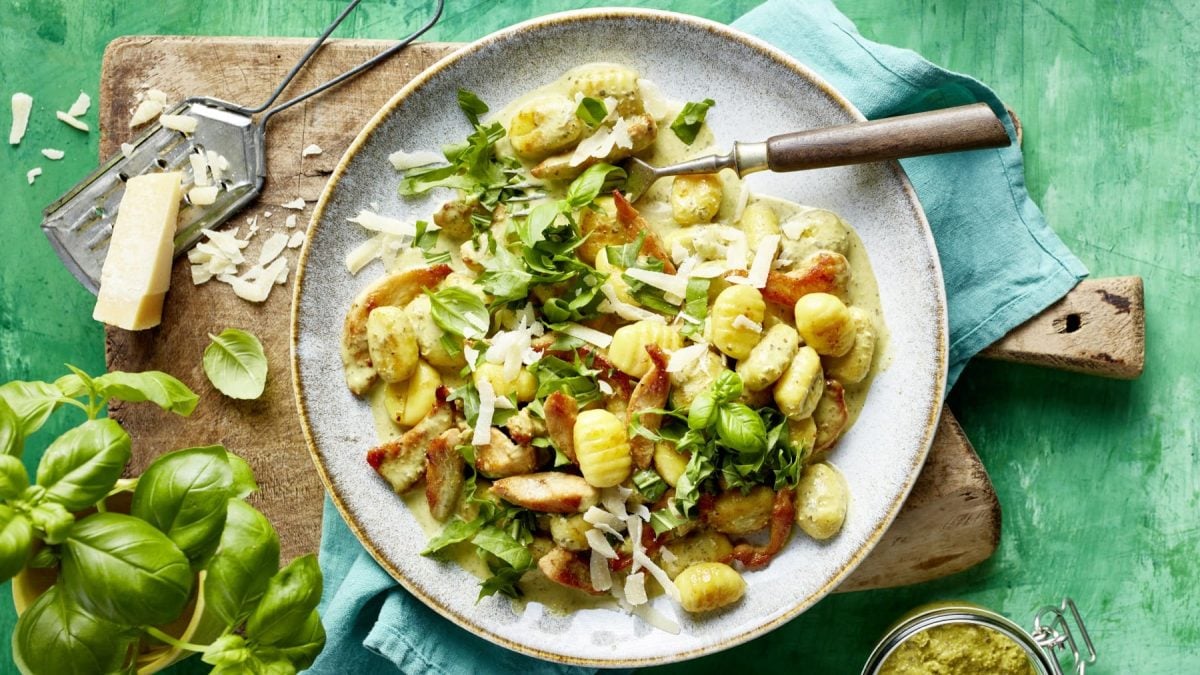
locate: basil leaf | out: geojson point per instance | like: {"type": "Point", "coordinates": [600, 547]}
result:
{"type": "Point", "coordinates": [227, 653]}
{"type": "Point", "coordinates": [82, 465]}
{"type": "Point", "coordinates": [235, 364]}
{"type": "Point", "coordinates": [592, 111]}
{"type": "Point", "coordinates": [649, 484]}
{"type": "Point", "coordinates": [663, 520]}
{"type": "Point", "coordinates": [238, 573]}
{"type": "Point", "coordinates": [291, 595]}
{"type": "Point", "coordinates": [742, 429]}
{"type": "Point", "coordinates": [455, 531]}
{"type": "Point", "coordinates": [695, 306]}
{"type": "Point", "coordinates": [157, 387]}
{"type": "Point", "coordinates": [687, 124]}
{"type": "Point", "coordinates": [121, 569]}
{"type": "Point", "coordinates": [13, 477]}
{"type": "Point", "coordinates": [183, 494]}
{"type": "Point", "coordinates": [626, 255]}
{"type": "Point", "coordinates": [532, 229]}
{"type": "Point", "coordinates": [503, 581]}
{"type": "Point", "coordinates": [471, 105]}
{"type": "Point", "coordinates": [703, 411]}
{"type": "Point", "coordinates": [502, 545]}
{"type": "Point", "coordinates": [243, 484]}
{"type": "Point", "coordinates": [687, 488]}
{"type": "Point", "coordinates": [302, 647]}
{"type": "Point", "coordinates": [421, 180]}
{"type": "Point", "coordinates": [31, 402]}
{"type": "Point", "coordinates": [459, 312]}
{"type": "Point", "coordinates": [587, 186]}
{"type": "Point", "coordinates": [57, 636]}
{"type": "Point", "coordinates": [727, 386]}
{"type": "Point", "coordinates": [12, 439]}
{"type": "Point", "coordinates": [53, 520]}
{"type": "Point", "coordinates": [16, 542]}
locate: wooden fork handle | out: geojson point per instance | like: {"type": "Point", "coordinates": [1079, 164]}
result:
{"type": "Point", "coordinates": [968, 127]}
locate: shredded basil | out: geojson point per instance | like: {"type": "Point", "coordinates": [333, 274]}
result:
{"type": "Point", "coordinates": [592, 111]}
{"type": "Point", "coordinates": [687, 124]}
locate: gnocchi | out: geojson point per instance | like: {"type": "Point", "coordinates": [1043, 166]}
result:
{"type": "Point", "coordinates": [544, 126]}
{"type": "Point", "coordinates": [392, 343]}
{"type": "Point", "coordinates": [853, 366]}
{"type": "Point", "coordinates": [822, 499]}
{"type": "Point", "coordinates": [702, 546]}
{"type": "Point", "coordinates": [769, 358]}
{"type": "Point", "coordinates": [801, 385]}
{"type": "Point", "coordinates": [669, 463]}
{"type": "Point", "coordinates": [706, 586]}
{"type": "Point", "coordinates": [736, 320]}
{"type": "Point", "coordinates": [825, 324]}
{"type": "Point", "coordinates": [758, 221]}
{"type": "Point", "coordinates": [602, 448]}
{"type": "Point", "coordinates": [695, 198]}
{"type": "Point", "coordinates": [627, 351]}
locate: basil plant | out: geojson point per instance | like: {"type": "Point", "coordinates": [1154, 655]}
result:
{"type": "Point", "coordinates": [121, 576]}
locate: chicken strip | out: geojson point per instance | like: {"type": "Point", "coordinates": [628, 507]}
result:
{"type": "Point", "coordinates": [561, 411]}
{"type": "Point", "coordinates": [821, 272]}
{"type": "Point", "coordinates": [548, 492]}
{"type": "Point", "coordinates": [501, 457]}
{"type": "Point", "coordinates": [567, 568]}
{"type": "Point", "coordinates": [649, 394]}
{"type": "Point", "coordinates": [444, 474]}
{"type": "Point", "coordinates": [402, 462]}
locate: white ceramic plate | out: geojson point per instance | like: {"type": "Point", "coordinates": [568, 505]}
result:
{"type": "Point", "coordinates": [759, 92]}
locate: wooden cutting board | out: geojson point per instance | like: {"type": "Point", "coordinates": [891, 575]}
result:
{"type": "Point", "coordinates": [950, 522]}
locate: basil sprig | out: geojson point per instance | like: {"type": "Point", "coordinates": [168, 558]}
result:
{"type": "Point", "coordinates": [687, 124]}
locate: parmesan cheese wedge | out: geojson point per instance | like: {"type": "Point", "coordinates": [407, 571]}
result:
{"type": "Point", "coordinates": [137, 269]}
{"type": "Point", "coordinates": [21, 105]}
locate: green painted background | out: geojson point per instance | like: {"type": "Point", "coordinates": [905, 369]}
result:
{"type": "Point", "coordinates": [1097, 479]}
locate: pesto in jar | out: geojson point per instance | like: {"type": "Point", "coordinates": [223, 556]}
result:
{"type": "Point", "coordinates": [958, 649]}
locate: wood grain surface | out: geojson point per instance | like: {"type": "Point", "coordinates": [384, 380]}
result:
{"type": "Point", "coordinates": [952, 520]}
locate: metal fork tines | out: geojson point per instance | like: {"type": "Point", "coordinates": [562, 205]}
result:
{"type": "Point", "coordinates": [79, 224]}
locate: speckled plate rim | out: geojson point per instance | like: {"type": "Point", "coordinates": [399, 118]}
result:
{"type": "Point", "coordinates": [769, 51]}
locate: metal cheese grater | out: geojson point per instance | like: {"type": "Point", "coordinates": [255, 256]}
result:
{"type": "Point", "coordinates": [79, 224]}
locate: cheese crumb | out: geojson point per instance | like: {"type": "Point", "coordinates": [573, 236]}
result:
{"type": "Point", "coordinates": [203, 195]}
{"type": "Point", "coordinates": [51, 153]}
{"type": "Point", "coordinates": [158, 96]}
{"type": "Point", "coordinates": [311, 150]}
{"type": "Point", "coordinates": [402, 160]}
{"type": "Point", "coordinates": [127, 149]}
{"type": "Point", "coordinates": [147, 111]}
{"type": "Point", "coordinates": [296, 240]}
{"type": "Point", "coordinates": [272, 248]}
{"type": "Point", "coordinates": [740, 321]}
{"type": "Point", "coordinates": [290, 221]}
{"type": "Point", "coordinates": [33, 173]}
{"type": "Point", "coordinates": [22, 103]}
{"type": "Point", "coordinates": [80, 106]}
{"type": "Point", "coordinates": [199, 162]}
{"type": "Point", "coordinates": [296, 204]}
{"type": "Point", "coordinates": [71, 121]}
{"type": "Point", "coordinates": [217, 165]}
{"type": "Point", "coordinates": [184, 124]}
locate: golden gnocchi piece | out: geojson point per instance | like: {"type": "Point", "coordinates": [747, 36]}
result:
{"type": "Point", "coordinates": [607, 80]}
{"type": "Point", "coordinates": [816, 230]}
{"type": "Point", "coordinates": [853, 366]}
{"type": "Point", "coordinates": [706, 586]}
{"type": "Point", "coordinates": [825, 324]}
{"type": "Point", "coordinates": [737, 513]}
{"type": "Point", "coordinates": [802, 433]}
{"type": "Point", "coordinates": [392, 343]}
{"type": "Point", "coordinates": [570, 532]}
{"type": "Point", "coordinates": [524, 386]}
{"type": "Point", "coordinates": [545, 125]}
{"type": "Point", "coordinates": [669, 463]}
{"type": "Point", "coordinates": [695, 378]}
{"type": "Point", "coordinates": [769, 358]}
{"type": "Point", "coordinates": [420, 394]}
{"type": "Point", "coordinates": [801, 385]}
{"type": "Point", "coordinates": [735, 315]}
{"type": "Point", "coordinates": [602, 448]}
{"type": "Point", "coordinates": [695, 198]}
{"type": "Point", "coordinates": [822, 499]}
{"type": "Point", "coordinates": [699, 547]}
{"type": "Point", "coordinates": [758, 220]}
{"type": "Point", "coordinates": [627, 352]}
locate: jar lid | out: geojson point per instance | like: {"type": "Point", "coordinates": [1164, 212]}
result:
{"type": "Point", "coordinates": [1052, 633]}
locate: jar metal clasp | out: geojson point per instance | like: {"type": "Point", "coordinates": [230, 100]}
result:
{"type": "Point", "coordinates": [1053, 632]}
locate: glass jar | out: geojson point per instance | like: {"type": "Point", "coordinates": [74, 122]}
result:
{"type": "Point", "coordinates": [1052, 635]}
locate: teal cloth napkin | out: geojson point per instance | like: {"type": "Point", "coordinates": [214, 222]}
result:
{"type": "Point", "coordinates": [1000, 261]}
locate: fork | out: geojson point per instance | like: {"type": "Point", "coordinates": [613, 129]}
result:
{"type": "Point", "coordinates": [967, 127]}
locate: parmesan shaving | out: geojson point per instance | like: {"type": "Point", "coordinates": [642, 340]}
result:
{"type": "Point", "coordinates": [604, 387]}
{"type": "Point", "coordinates": [51, 153]}
{"type": "Point", "coordinates": [792, 229]}
{"type": "Point", "coordinates": [657, 572]}
{"type": "Point", "coordinates": [740, 321]}
{"type": "Point", "coordinates": [147, 111]}
{"type": "Point", "coordinates": [598, 516]}
{"type": "Point", "coordinates": [599, 543]}
{"type": "Point", "coordinates": [624, 309]}
{"type": "Point", "coordinates": [298, 204]}
{"type": "Point", "coordinates": [296, 240]}
{"type": "Point", "coordinates": [667, 555]}
{"type": "Point", "coordinates": [635, 589]}
{"type": "Point", "coordinates": [203, 196]}
{"type": "Point", "coordinates": [290, 221]}
{"type": "Point", "coordinates": [199, 163]}
{"type": "Point", "coordinates": [402, 160]}
{"type": "Point", "coordinates": [378, 223]}
{"type": "Point", "coordinates": [200, 274]}
{"type": "Point", "coordinates": [760, 269]}
{"type": "Point", "coordinates": [22, 104]}
{"type": "Point", "coordinates": [272, 248]}
{"type": "Point", "coordinates": [311, 150]}
{"type": "Point", "coordinates": [80, 106]}
{"type": "Point", "coordinates": [652, 616]}
{"type": "Point", "coordinates": [471, 355]}
{"type": "Point", "coordinates": [32, 174]}
{"type": "Point", "coordinates": [590, 335]}
{"type": "Point", "coordinates": [614, 498]}
{"type": "Point", "coordinates": [681, 359]}
{"type": "Point", "coordinates": [487, 409]}
{"type": "Point", "coordinates": [742, 200]}
{"type": "Point", "coordinates": [71, 121]}
{"type": "Point", "coordinates": [674, 284]}
{"type": "Point", "coordinates": [364, 253]}
{"type": "Point", "coordinates": [655, 102]}
{"type": "Point", "coordinates": [598, 568]}
{"type": "Point", "coordinates": [184, 124]}
{"type": "Point", "coordinates": [602, 143]}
